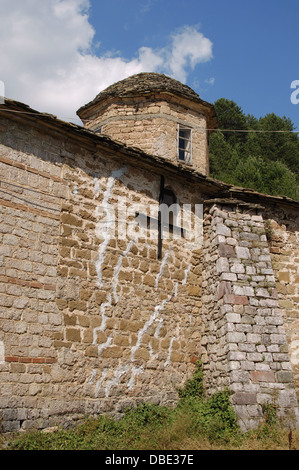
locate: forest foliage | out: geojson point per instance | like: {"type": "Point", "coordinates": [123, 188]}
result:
{"type": "Point", "coordinates": [261, 154]}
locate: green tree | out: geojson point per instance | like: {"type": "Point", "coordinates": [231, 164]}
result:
{"type": "Point", "coordinates": [262, 154]}
{"type": "Point", "coordinates": [231, 118]}
{"type": "Point", "coordinates": [282, 144]}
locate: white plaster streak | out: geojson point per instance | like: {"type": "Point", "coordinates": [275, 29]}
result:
{"type": "Point", "coordinates": [108, 304]}
{"type": "Point", "coordinates": [104, 320]}
{"type": "Point", "coordinates": [92, 377]}
{"type": "Point", "coordinates": [99, 383]}
{"type": "Point", "coordinates": [96, 182]}
{"type": "Point", "coordinates": [147, 324]}
{"type": "Point", "coordinates": [151, 350]}
{"type": "Point", "coordinates": [107, 226]}
{"type": "Point", "coordinates": [154, 318]}
{"type": "Point", "coordinates": [121, 370]}
{"type": "Point", "coordinates": [164, 261]}
{"type": "Point", "coordinates": [102, 327]}
{"type": "Point", "coordinates": [167, 362]}
{"type": "Point", "coordinates": [135, 371]}
{"type": "Point", "coordinates": [157, 332]}
{"type": "Point", "coordinates": [187, 271]}
{"type": "Point", "coordinates": [117, 269]}
{"type": "Point", "coordinates": [103, 346]}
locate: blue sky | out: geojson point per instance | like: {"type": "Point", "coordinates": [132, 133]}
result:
{"type": "Point", "coordinates": [56, 55]}
{"type": "Point", "coordinates": [255, 45]}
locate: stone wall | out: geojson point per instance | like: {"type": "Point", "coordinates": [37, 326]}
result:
{"type": "Point", "coordinates": [282, 229]}
{"type": "Point", "coordinates": [90, 321]}
{"type": "Point", "coordinates": [243, 334]}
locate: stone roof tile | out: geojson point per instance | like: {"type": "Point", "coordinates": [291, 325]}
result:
{"type": "Point", "coordinates": [143, 83]}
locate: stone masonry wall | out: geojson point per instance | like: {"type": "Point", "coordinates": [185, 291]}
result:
{"type": "Point", "coordinates": [282, 229]}
{"type": "Point", "coordinates": [90, 320]}
{"type": "Point", "coordinates": [243, 336]}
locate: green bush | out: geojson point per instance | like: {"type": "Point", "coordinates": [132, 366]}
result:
{"type": "Point", "coordinates": [212, 417]}
{"type": "Point", "coordinates": [146, 414]}
{"type": "Point", "coordinates": [194, 386]}
{"type": "Point", "coordinates": [196, 418]}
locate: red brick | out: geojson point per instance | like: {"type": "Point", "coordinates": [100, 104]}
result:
{"type": "Point", "coordinates": [30, 360]}
{"type": "Point", "coordinates": [224, 288]}
{"type": "Point", "coordinates": [235, 299]}
{"type": "Point", "coordinates": [11, 359]}
{"type": "Point", "coordinates": [227, 251]}
{"type": "Point", "coordinates": [27, 360]}
{"type": "Point", "coordinates": [38, 360]}
{"type": "Point", "coordinates": [262, 376]}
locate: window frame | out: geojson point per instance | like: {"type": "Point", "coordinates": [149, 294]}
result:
{"type": "Point", "coordinates": [186, 151]}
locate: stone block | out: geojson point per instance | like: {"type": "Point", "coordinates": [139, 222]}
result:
{"type": "Point", "coordinates": [91, 351]}
{"type": "Point", "coordinates": [254, 338]}
{"type": "Point", "coordinates": [194, 291]}
{"type": "Point", "coordinates": [238, 290]}
{"type": "Point", "coordinates": [228, 277]}
{"type": "Point", "coordinates": [70, 219]}
{"type": "Point", "coordinates": [226, 251]}
{"type": "Point", "coordinates": [233, 317]}
{"type": "Point", "coordinates": [242, 252]}
{"type": "Point", "coordinates": [278, 339]}
{"type": "Point", "coordinates": [222, 229]}
{"type": "Point", "coordinates": [237, 268]}
{"type": "Point", "coordinates": [70, 320]}
{"type": "Point", "coordinates": [261, 292]}
{"type": "Point", "coordinates": [223, 288]}
{"type": "Point", "coordinates": [284, 376]}
{"type": "Point", "coordinates": [112, 352]}
{"type": "Point", "coordinates": [255, 357]}
{"type": "Point", "coordinates": [284, 276]}
{"type": "Point", "coordinates": [73, 335]}
{"type": "Point", "coordinates": [222, 265]}
{"type": "Point", "coordinates": [262, 376]}
{"type": "Point", "coordinates": [149, 280]}
{"type": "Point", "coordinates": [235, 337]}
{"type": "Point", "coordinates": [243, 398]}
{"type": "Point", "coordinates": [235, 299]}
{"type": "Point", "coordinates": [240, 376]}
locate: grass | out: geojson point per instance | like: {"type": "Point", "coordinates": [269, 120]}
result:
{"type": "Point", "coordinates": [197, 423]}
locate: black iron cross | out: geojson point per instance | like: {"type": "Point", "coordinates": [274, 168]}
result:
{"type": "Point", "coordinates": [151, 222]}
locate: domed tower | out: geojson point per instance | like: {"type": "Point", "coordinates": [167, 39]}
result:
{"type": "Point", "coordinates": [157, 114]}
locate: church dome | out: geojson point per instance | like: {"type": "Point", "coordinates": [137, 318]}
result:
{"type": "Point", "coordinates": [144, 83]}
{"type": "Point", "coordinates": [156, 113]}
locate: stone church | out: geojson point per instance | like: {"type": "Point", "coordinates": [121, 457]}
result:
{"type": "Point", "coordinates": [122, 263]}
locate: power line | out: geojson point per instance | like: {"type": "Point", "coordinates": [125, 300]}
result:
{"type": "Point", "coordinates": [28, 189]}
{"type": "Point", "coordinates": [254, 130]}
{"type": "Point", "coordinates": [34, 114]}
{"type": "Point", "coordinates": [29, 202]}
{"type": "Point", "coordinates": [201, 129]}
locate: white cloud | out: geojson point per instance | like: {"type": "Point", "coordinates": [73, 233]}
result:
{"type": "Point", "coordinates": [210, 81]}
{"type": "Point", "coordinates": [189, 48]}
{"type": "Point", "coordinates": [48, 63]}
